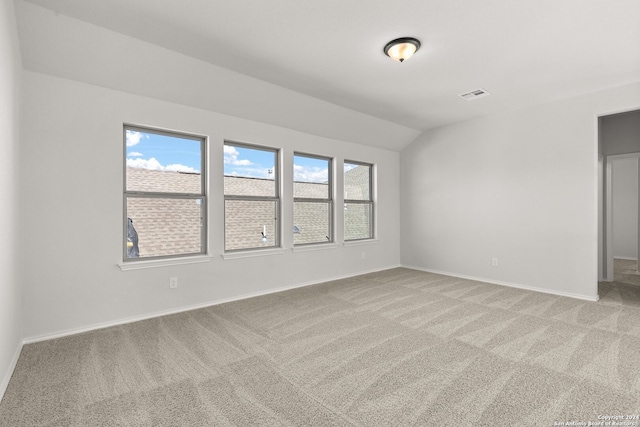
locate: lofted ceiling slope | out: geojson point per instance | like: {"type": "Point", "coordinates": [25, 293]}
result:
{"type": "Point", "coordinates": [523, 52]}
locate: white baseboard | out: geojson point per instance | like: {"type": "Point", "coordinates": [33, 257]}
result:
{"type": "Point", "coordinates": [12, 366]}
{"type": "Point", "coordinates": [96, 326]}
{"type": "Point", "coordinates": [511, 285]}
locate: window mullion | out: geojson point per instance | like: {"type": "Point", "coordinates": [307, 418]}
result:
{"type": "Point", "coordinates": [163, 195]}
{"type": "Point", "coordinates": [312, 200]}
{"type": "Point", "coordinates": [255, 198]}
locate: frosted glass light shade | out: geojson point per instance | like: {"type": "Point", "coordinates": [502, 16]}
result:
{"type": "Point", "coordinates": [402, 49]}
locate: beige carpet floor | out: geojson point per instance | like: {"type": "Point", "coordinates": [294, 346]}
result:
{"type": "Point", "coordinates": [394, 348]}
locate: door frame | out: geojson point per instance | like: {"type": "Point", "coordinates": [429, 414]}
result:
{"type": "Point", "coordinates": [608, 215]}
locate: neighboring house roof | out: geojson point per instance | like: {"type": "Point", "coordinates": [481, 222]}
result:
{"type": "Point", "coordinates": [245, 221]}
{"type": "Point", "coordinates": [356, 183]}
{"type": "Point", "coordinates": [169, 226]}
{"type": "Point", "coordinates": [357, 217]}
{"type": "Point", "coordinates": [241, 186]}
{"type": "Point", "coordinates": [162, 181]}
{"type": "Point", "coordinates": [165, 226]}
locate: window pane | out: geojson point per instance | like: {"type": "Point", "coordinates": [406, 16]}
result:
{"type": "Point", "coordinates": [164, 226]}
{"type": "Point", "coordinates": [310, 177]}
{"type": "Point", "coordinates": [249, 171]}
{"type": "Point", "coordinates": [357, 182]}
{"type": "Point", "coordinates": [162, 163]}
{"type": "Point", "coordinates": [250, 224]}
{"type": "Point", "coordinates": [357, 221]}
{"type": "Point", "coordinates": [242, 186]}
{"type": "Point", "coordinates": [163, 181]}
{"type": "Point", "coordinates": [311, 222]}
{"type": "Point", "coordinates": [311, 190]}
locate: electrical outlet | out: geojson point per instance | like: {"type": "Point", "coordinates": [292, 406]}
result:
{"type": "Point", "coordinates": [494, 262]}
{"type": "Point", "coordinates": [173, 282]}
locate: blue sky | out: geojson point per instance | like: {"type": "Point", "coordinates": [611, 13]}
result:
{"type": "Point", "coordinates": [307, 169]}
{"type": "Point", "coordinates": [159, 152]}
{"type": "Point", "coordinates": [241, 161]}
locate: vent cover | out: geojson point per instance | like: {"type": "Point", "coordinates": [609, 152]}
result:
{"type": "Point", "coordinates": [474, 94]}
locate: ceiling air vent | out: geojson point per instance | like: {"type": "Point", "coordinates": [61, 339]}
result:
{"type": "Point", "coordinates": [474, 94]}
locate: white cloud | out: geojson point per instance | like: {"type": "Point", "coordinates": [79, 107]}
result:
{"type": "Point", "coordinates": [180, 168]}
{"type": "Point", "coordinates": [231, 157]}
{"type": "Point", "coordinates": [230, 150]}
{"type": "Point", "coordinates": [134, 137]}
{"type": "Point", "coordinates": [135, 154]}
{"type": "Point", "coordinates": [305, 174]}
{"type": "Point", "coordinates": [153, 164]}
{"type": "Point", "coordinates": [250, 172]}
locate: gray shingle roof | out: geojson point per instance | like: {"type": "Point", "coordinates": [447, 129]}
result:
{"type": "Point", "coordinates": [357, 217]}
{"type": "Point", "coordinates": [162, 181]}
{"type": "Point", "coordinates": [241, 186]}
{"type": "Point", "coordinates": [173, 226]}
{"type": "Point", "coordinates": [166, 226]}
{"type": "Point", "coordinates": [356, 183]}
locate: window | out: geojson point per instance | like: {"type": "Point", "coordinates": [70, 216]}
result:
{"type": "Point", "coordinates": [251, 197]}
{"type": "Point", "coordinates": [312, 200]}
{"type": "Point", "coordinates": [164, 194]}
{"type": "Point", "coordinates": [358, 201]}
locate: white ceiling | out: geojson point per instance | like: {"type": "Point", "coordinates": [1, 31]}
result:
{"type": "Point", "coordinates": [523, 52]}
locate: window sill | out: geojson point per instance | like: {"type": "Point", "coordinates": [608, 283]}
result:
{"type": "Point", "coordinates": [361, 242]}
{"type": "Point", "coordinates": [250, 254]}
{"type": "Point", "coordinates": [153, 263]}
{"type": "Point", "coordinates": [314, 247]}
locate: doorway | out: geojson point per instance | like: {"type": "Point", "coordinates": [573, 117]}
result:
{"type": "Point", "coordinates": [619, 197]}
{"type": "Point", "coordinates": [623, 213]}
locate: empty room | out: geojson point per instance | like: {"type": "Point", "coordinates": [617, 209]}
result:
{"type": "Point", "coordinates": [353, 213]}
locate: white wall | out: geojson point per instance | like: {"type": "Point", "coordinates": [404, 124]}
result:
{"type": "Point", "coordinates": [519, 186]}
{"type": "Point", "coordinates": [624, 184]}
{"type": "Point", "coordinates": [71, 210]}
{"type": "Point", "coordinates": [65, 47]}
{"type": "Point", "coordinates": [10, 293]}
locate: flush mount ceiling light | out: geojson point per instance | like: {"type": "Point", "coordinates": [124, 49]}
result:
{"type": "Point", "coordinates": [402, 48]}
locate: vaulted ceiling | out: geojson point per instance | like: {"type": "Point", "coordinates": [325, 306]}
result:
{"type": "Point", "coordinates": [522, 52]}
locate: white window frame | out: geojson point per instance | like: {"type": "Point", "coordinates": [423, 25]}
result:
{"type": "Point", "coordinates": [368, 201]}
{"type": "Point", "coordinates": [159, 260]}
{"type": "Point", "coordinates": [328, 201]}
{"type": "Point", "coordinates": [275, 198]}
